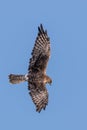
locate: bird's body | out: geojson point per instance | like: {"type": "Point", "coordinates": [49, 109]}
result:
{"type": "Point", "coordinates": [36, 77]}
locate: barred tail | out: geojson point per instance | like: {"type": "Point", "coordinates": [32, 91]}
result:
{"type": "Point", "coordinates": [15, 79]}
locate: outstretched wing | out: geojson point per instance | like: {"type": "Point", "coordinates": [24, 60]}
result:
{"type": "Point", "coordinates": [40, 52]}
{"type": "Point", "coordinates": [39, 96]}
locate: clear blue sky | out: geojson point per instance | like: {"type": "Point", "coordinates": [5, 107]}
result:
{"type": "Point", "coordinates": [66, 22]}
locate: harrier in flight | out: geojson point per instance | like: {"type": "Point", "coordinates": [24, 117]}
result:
{"type": "Point", "coordinates": [36, 76]}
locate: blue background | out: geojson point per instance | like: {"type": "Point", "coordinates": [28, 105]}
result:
{"type": "Point", "coordinates": [66, 22]}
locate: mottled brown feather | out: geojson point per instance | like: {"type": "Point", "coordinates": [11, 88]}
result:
{"type": "Point", "coordinates": [39, 96]}
{"type": "Point", "coordinates": [40, 52]}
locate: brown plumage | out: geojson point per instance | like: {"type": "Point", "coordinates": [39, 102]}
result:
{"type": "Point", "coordinates": [36, 77]}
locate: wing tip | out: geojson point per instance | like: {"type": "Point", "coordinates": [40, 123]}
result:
{"type": "Point", "coordinates": [41, 29]}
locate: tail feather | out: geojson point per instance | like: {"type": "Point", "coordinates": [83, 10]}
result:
{"type": "Point", "coordinates": [15, 79]}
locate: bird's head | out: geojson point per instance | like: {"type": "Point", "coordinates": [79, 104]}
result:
{"type": "Point", "coordinates": [50, 81]}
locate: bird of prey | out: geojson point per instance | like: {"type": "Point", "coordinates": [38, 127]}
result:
{"type": "Point", "coordinates": [36, 76]}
